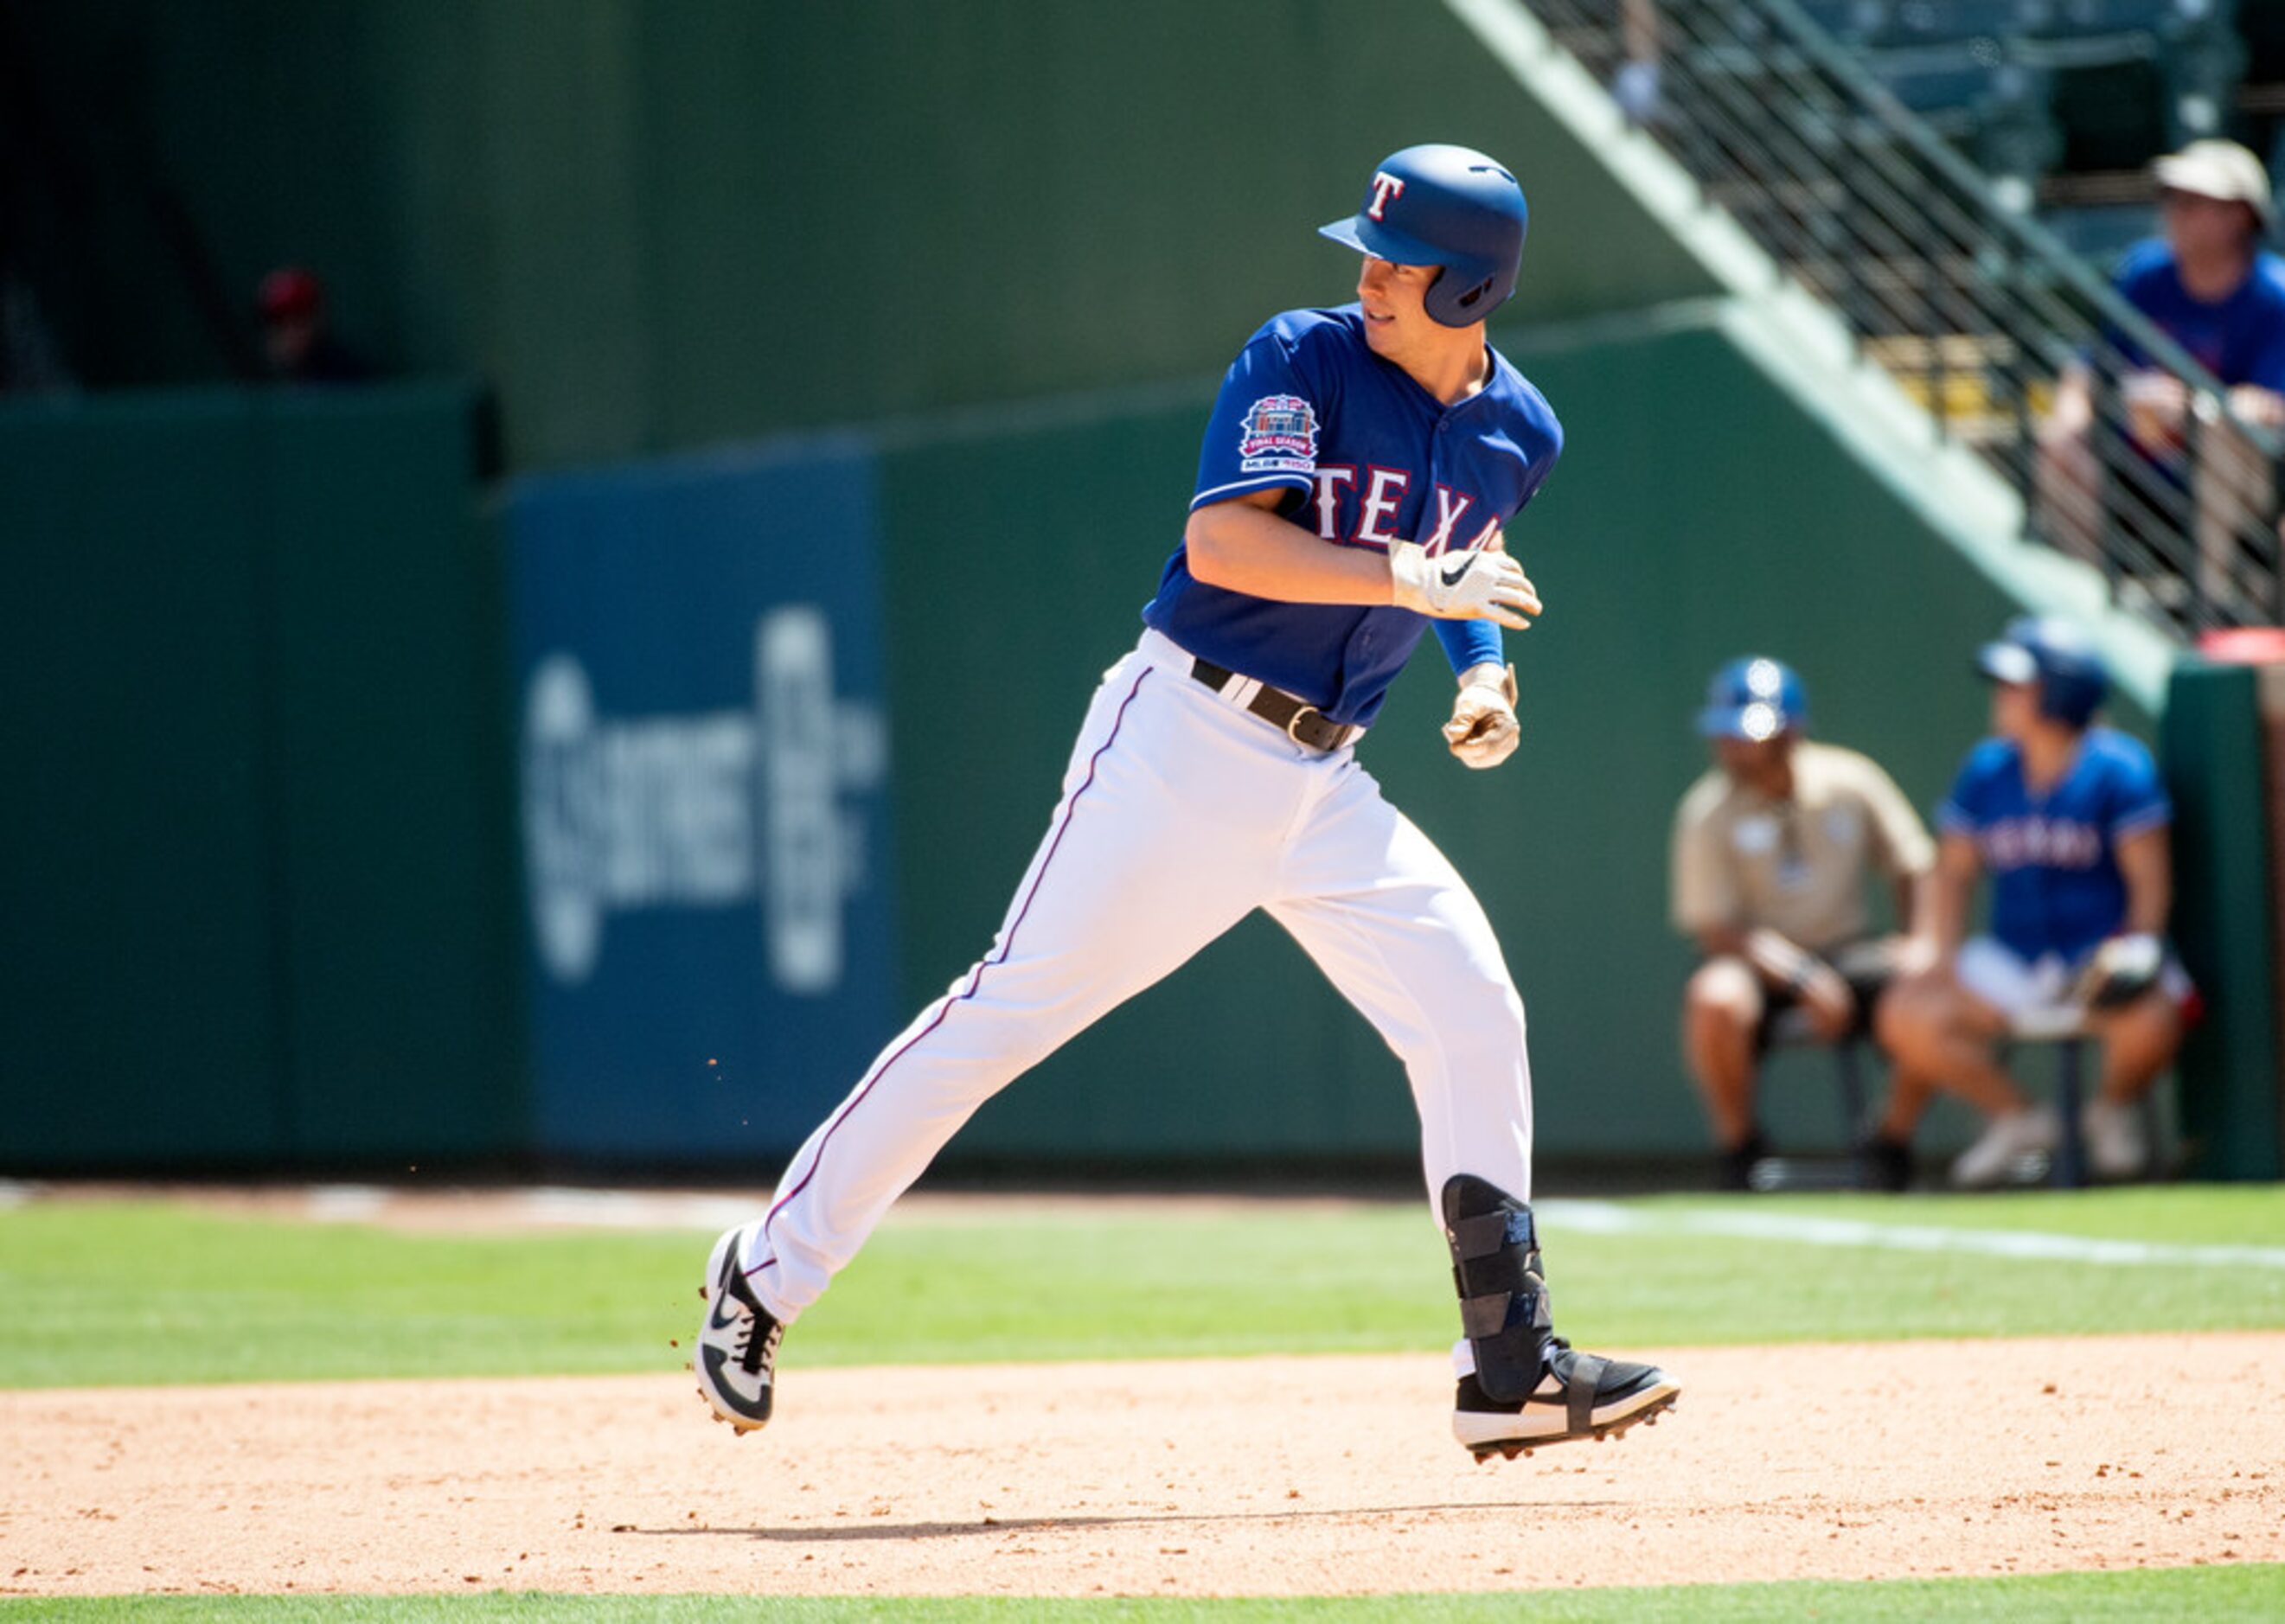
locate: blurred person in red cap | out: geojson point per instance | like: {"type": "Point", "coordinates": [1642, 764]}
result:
{"type": "Point", "coordinates": [296, 337]}
{"type": "Point", "coordinates": [2208, 284]}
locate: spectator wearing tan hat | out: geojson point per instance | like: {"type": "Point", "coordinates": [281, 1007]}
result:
{"type": "Point", "coordinates": [2208, 283]}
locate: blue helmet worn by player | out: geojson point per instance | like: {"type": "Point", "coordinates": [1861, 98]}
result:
{"type": "Point", "coordinates": [1447, 206]}
{"type": "Point", "coordinates": [2056, 655]}
{"type": "Point", "coordinates": [1754, 698]}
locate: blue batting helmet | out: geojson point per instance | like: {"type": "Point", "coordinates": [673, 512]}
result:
{"type": "Point", "coordinates": [1447, 206]}
{"type": "Point", "coordinates": [2056, 655]}
{"type": "Point", "coordinates": [1754, 698]}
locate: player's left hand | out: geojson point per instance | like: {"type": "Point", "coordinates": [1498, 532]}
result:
{"type": "Point", "coordinates": [2122, 970]}
{"type": "Point", "coordinates": [1483, 731]}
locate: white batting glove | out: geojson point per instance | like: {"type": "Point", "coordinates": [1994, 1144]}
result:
{"type": "Point", "coordinates": [1479, 583]}
{"type": "Point", "coordinates": [2122, 970]}
{"type": "Point", "coordinates": [1483, 732]}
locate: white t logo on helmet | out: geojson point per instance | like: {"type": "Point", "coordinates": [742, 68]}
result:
{"type": "Point", "coordinates": [1385, 189]}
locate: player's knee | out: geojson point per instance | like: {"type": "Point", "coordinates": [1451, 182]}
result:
{"type": "Point", "coordinates": [1908, 1017]}
{"type": "Point", "coordinates": [1723, 991]}
{"type": "Point", "coordinates": [2152, 1022]}
{"type": "Point", "coordinates": [1479, 1027]}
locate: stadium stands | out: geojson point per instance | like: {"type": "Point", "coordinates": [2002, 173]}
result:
{"type": "Point", "coordinates": [1955, 177]}
{"type": "Point", "coordinates": [2063, 102]}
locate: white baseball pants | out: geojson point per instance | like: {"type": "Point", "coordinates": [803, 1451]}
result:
{"type": "Point", "coordinates": [1181, 813]}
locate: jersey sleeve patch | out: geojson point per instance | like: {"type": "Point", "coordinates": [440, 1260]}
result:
{"type": "Point", "coordinates": [1279, 433]}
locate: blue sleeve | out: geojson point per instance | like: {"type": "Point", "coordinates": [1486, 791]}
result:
{"type": "Point", "coordinates": [1263, 433]}
{"type": "Point", "coordinates": [2138, 799]}
{"type": "Point", "coordinates": [1471, 642]}
{"type": "Point", "coordinates": [1967, 808]}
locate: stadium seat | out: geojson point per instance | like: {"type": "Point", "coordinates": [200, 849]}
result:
{"type": "Point", "coordinates": [2068, 1168]}
{"type": "Point", "coordinates": [1793, 1030]}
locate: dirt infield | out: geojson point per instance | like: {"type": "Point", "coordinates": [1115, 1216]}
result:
{"type": "Point", "coordinates": [1331, 1475]}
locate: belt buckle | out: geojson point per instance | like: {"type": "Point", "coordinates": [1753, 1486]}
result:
{"type": "Point", "coordinates": [1294, 721]}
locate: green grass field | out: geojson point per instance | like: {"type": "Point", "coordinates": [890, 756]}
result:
{"type": "Point", "coordinates": [2202, 1593]}
{"type": "Point", "coordinates": [247, 1300]}
{"type": "Point", "coordinates": [95, 1289]}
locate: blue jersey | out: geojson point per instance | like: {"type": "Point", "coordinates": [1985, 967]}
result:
{"type": "Point", "coordinates": [2054, 858]}
{"type": "Point", "coordinates": [1368, 458]}
{"type": "Point", "coordinates": [2239, 340]}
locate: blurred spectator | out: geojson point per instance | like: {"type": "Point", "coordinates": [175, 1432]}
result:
{"type": "Point", "coordinates": [2070, 821]}
{"type": "Point", "coordinates": [1773, 848]}
{"type": "Point", "coordinates": [2209, 284]}
{"type": "Point", "coordinates": [1636, 87]}
{"type": "Point", "coordinates": [297, 335]}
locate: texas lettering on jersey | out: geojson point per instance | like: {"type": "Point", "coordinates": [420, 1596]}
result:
{"type": "Point", "coordinates": [1364, 515]}
{"type": "Point", "coordinates": [2057, 886]}
{"type": "Point", "coordinates": [2049, 843]}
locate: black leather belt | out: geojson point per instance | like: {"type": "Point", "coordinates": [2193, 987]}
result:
{"type": "Point", "coordinates": [1297, 718]}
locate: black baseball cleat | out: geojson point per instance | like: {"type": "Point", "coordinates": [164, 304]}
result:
{"type": "Point", "coordinates": [737, 1354]}
{"type": "Point", "coordinates": [1884, 1164]}
{"type": "Point", "coordinates": [1733, 1166]}
{"type": "Point", "coordinates": [1579, 1396]}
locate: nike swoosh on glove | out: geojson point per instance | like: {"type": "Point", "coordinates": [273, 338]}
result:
{"type": "Point", "coordinates": [1479, 584]}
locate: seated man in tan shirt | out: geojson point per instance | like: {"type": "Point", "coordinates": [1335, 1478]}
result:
{"type": "Point", "coordinates": [1772, 850]}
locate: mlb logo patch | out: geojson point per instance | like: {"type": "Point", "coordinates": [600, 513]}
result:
{"type": "Point", "coordinates": [1278, 431]}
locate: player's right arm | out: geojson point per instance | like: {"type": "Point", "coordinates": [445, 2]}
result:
{"type": "Point", "coordinates": [1959, 860]}
{"type": "Point", "coordinates": [1243, 546]}
{"type": "Point", "coordinates": [1951, 891]}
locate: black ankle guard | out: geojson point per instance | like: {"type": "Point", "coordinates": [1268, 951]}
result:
{"type": "Point", "coordinates": [1503, 1290]}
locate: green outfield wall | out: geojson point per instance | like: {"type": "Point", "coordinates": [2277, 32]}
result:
{"type": "Point", "coordinates": [264, 895]}
{"type": "Point", "coordinates": [259, 871]}
{"type": "Point", "coordinates": [655, 224]}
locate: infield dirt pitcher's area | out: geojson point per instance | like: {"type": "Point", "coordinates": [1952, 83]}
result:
{"type": "Point", "coordinates": [1325, 1475]}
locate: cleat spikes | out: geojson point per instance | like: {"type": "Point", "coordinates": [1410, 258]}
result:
{"type": "Point", "coordinates": [1483, 1454]}
{"type": "Point", "coordinates": [1523, 1444]}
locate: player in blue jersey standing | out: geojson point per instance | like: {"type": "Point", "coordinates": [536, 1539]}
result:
{"type": "Point", "coordinates": [2070, 821]}
{"type": "Point", "coordinates": [1358, 471]}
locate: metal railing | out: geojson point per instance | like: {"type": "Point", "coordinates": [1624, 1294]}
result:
{"type": "Point", "coordinates": [2127, 452]}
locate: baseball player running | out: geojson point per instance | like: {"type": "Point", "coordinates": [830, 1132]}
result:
{"type": "Point", "coordinates": [1358, 470]}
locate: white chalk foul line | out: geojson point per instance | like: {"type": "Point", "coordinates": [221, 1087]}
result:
{"type": "Point", "coordinates": [2021, 1245]}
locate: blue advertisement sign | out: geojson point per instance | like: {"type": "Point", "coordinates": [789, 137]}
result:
{"type": "Point", "coordinates": [703, 760]}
